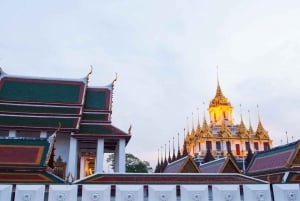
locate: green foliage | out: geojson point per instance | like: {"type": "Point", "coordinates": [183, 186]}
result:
{"type": "Point", "coordinates": [133, 164]}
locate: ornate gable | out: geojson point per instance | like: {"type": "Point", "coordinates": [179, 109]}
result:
{"type": "Point", "coordinates": [224, 131]}
{"type": "Point", "coordinates": [206, 130]}
{"type": "Point", "coordinates": [183, 165]}
{"type": "Point", "coordinates": [261, 133]}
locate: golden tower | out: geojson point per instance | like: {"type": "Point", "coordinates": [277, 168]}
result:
{"type": "Point", "coordinates": [221, 136]}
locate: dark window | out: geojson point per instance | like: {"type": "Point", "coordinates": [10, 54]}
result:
{"type": "Point", "coordinates": [228, 145]}
{"type": "Point", "coordinates": [266, 146]}
{"type": "Point", "coordinates": [218, 146]}
{"type": "Point", "coordinates": [208, 145]}
{"type": "Point", "coordinates": [247, 145]}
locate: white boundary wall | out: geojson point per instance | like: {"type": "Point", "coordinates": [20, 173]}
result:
{"type": "Point", "coordinates": [151, 192]}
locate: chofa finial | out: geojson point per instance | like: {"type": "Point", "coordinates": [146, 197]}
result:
{"type": "Point", "coordinates": [116, 78]}
{"type": "Point", "coordinates": [89, 74]}
{"type": "Point", "coordinates": [129, 129]}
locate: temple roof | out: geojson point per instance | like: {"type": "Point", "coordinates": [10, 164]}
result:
{"type": "Point", "coordinates": [280, 158]}
{"type": "Point", "coordinates": [29, 177]}
{"type": "Point", "coordinates": [40, 103]}
{"type": "Point", "coordinates": [168, 178]}
{"type": "Point", "coordinates": [25, 160]}
{"type": "Point", "coordinates": [183, 165]}
{"type": "Point", "coordinates": [34, 103]}
{"type": "Point", "coordinates": [222, 165]}
{"type": "Point", "coordinates": [25, 151]}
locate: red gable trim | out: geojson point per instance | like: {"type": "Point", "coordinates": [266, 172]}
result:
{"type": "Point", "coordinates": [21, 155]}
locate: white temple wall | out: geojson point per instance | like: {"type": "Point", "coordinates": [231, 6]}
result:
{"type": "Point", "coordinates": [62, 146]}
{"type": "Point", "coordinates": [127, 192]}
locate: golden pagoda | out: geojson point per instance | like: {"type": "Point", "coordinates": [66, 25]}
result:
{"type": "Point", "coordinates": [221, 136]}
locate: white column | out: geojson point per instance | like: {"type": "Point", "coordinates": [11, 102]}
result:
{"type": "Point", "coordinates": [12, 133]}
{"type": "Point", "coordinates": [99, 155]}
{"type": "Point", "coordinates": [120, 157]}
{"type": "Point", "coordinates": [116, 158]}
{"type": "Point", "coordinates": [82, 167]}
{"type": "Point", "coordinates": [73, 155]}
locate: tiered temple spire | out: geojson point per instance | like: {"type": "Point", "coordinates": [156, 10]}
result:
{"type": "Point", "coordinates": [219, 135]}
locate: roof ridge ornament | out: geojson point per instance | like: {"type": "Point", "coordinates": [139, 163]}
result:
{"type": "Point", "coordinates": [116, 78]}
{"type": "Point", "coordinates": [129, 129]}
{"type": "Point", "coordinates": [89, 74]}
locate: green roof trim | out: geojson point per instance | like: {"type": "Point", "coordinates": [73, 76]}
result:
{"type": "Point", "coordinates": [99, 117]}
{"type": "Point", "coordinates": [96, 100]}
{"type": "Point", "coordinates": [38, 109]}
{"type": "Point", "coordinates": [42, 91]}
{"type": "Point", "coordinates": [37, 121]}
{"type": "Point", "coordinates": [95, 129]}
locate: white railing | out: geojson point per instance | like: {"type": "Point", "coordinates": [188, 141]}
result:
{"type": "Point", "coordinates": [98, 192]}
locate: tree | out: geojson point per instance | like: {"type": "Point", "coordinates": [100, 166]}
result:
{"type": "Point", "coordinates": [133, 163]}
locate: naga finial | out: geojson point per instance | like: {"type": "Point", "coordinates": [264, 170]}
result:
{"type": "Point", "coordinates": [59, 127]}
{"type": "Point", "coordinates": [89, 74]}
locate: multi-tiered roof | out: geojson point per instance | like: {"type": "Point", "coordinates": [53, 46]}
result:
{"type": "Point", "coordinates": [31, 106]}
{"type": "Point", "coordinates": [32, 103]}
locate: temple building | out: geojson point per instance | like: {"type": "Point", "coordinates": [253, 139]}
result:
{"type": "Point", "coordinates": [32, 109]}
{"type": "Point", "coordinates": [220, 136]}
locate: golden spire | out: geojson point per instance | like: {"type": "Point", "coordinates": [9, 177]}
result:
{"type": "Point", "coordinates": [219, 91]}
{"type": "Point", "coordinates": [220, 108]}
{"type": "Point", "coordinates": [242, 131]}
{"type": "Point", "coordinates": [187, 128]}
{"type": "Point", "coordinates": [260, 131]}
{"type": "Point", "coordinates": [198, 129]}
{"type": "Point", "coordinates": [250, 130]}
{"type": "Point", "coordinates": [189, 134]}
{"type": "Point", "coordinates": [206, 130]}
{"type": "Point", "coordinates": [204, 117]}
{"type": "Point", "coordinates": [193, 127]}
{"type": "Point", "coordinates": [219, 98]}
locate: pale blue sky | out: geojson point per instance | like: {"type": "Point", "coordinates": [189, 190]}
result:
{"type": "Point", "coordinates": [165, 53]}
